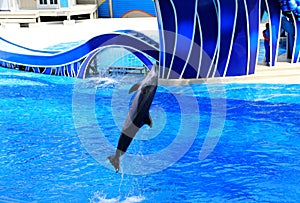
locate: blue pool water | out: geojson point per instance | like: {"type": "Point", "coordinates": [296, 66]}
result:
{"type": "Point", "coordinates": [56, 133]}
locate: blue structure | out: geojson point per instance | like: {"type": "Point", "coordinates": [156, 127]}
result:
{"type": "Point", "coordinates": [198, 39]}
{"type": "Point", "coordinates": [123, 8]}
{"type": "Point", "coordinates": [218, 38]}
{"type": "Point", "coordinates": [75, 62]}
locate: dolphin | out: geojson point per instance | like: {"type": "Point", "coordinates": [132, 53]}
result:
{"type": "Point", "coordinates": [138, 114]}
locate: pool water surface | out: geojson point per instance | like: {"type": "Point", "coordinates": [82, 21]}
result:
{"type": "Point", "coordinates": [52, 128]}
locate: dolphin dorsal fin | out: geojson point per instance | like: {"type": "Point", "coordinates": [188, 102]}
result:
{"type": "Point", "coordinates": [148, 120]}
{"type": "Point", "coordinates": [134, 87]}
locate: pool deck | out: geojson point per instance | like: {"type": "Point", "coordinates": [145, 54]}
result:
{"type": "Point", "coordinates": [282, 73]}
{"type": "Point", "coordinates": [42, 35]}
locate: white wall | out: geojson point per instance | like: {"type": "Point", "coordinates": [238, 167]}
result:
{"type": "Point", "coordinates": [27, 4]}
{"type": "Point", "coordinates": [4, 5]}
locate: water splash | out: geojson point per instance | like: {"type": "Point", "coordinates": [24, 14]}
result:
{"type": "Point", "coordinates": [97, 83]}
{"type": "Point", "coordinates": [102, 198]}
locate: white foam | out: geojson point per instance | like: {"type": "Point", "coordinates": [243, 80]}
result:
{"type": "Point", "coordinates": [97, 82]}
{"type": "Point", "coordinates": [101, 198]}
{"type": "Point", "coordinates": [18, 82]}
{"type": "Point", "coordinates": [105, 80]}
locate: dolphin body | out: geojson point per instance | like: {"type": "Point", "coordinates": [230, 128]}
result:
{"type": "Point", "coordinates": [138, 114]}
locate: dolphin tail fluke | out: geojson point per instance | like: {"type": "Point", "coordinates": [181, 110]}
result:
{"type": "Point", "coordinates": [115, 161]}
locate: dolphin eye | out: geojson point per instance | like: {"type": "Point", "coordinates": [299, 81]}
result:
{"type": "Point", "coordinates": [145, 90]}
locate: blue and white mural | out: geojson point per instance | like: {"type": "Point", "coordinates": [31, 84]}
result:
{"type": "Point", "coordinates": [197, 39]}
{"type": "Point", "coordinates": [215, 38]}
{"type": "Point", "coordinates": [219, 38]}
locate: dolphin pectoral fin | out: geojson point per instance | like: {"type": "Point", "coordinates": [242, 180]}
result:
{"type": "Point", "coordinates": [148, 120]}
{"type": "Point", "coordinates": [115, 161]}
{"type": "Point", "coordinates": [134, 88]}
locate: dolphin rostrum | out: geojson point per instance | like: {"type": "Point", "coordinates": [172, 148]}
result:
{"type": "Point", "coordinates": [138, 114]}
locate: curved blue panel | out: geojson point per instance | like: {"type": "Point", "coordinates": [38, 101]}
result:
{"type": "Point", "coordinates": [209, 34]}
{"type": "Point", "coordinates": [47, 71]}
{"type": "Point", "coordinates": [297, 44]}
{"type": "Point", "coordinates": [239, 54]}
{"type": "Point", "coordinates": [76, 68]}
{"type": "Point", "coordinates": [36, 70]}
{"type": "Point", "coordinates": [185, 37]}
{"type": "Point", "coordinates": [253, 32]}
{"type": "Point", "coordinates": [69, 70]}
{"type": "Point", "coordinates": [228, 15]}
{"type": "Point", "coordinates": [275, 19]}
{"type": "Point", "coordinates": [193, 65]}
{"type": "Point", "coordinates": [167, 22]}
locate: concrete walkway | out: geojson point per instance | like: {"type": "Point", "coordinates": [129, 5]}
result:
{"type": "Point", "coordinates": [282, 73]}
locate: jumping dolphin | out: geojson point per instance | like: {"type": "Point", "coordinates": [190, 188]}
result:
{"type": "Point", "coordinates": [138, 114]}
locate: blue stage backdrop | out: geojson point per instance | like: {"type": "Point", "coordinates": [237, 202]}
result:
{"type": "Point", "coordinates": [197, 38]}
{"type": "Point", "coordinates": [220, 38]}
{"type": "Point", "coordinates": [201, 39]}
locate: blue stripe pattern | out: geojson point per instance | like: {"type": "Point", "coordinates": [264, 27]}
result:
{"type": "Point", "coordinates": [210, 41]}
{"type": "Point", "coordinates": [198, 39]}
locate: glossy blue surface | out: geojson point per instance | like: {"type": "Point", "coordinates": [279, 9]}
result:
{"type": "Point", "coordinates": [42, 158]}
{"type": "Point", "coordinates": [227, 31]}
{"type": "Point", "coordinates": [210, 39]}
{"type": "Point", "coordinates": [206, 9]}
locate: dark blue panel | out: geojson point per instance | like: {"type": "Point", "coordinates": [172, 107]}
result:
{"type": "Point", "coordinates": [63, 71]}
{"type": "Point", "coordinates": [185, 23]}
{"type": "Point", "coordinates": [58, 71]}
{"type": "Point", "coordinates": [36, 70]}
{"type": "Point", "coordinates": [47, 71]}
{"type": "Point", "coordinates": [228, 16]}
{"type": "Point", "coordinates": [275, 18]}
{"type": "Point", "coordinates": [194, 59]}
{"type": "Point", "coordinates": [76, 67]}
{"type": "Point", "coordinates": [207, 10]}
{"type": "Point", "coordinates": [297, 47]}
{"type": "Point", "coordinates": [253, 19]}
{"type": "Point", "coordinates": [69, 70]}
{"type": "Point", "coordinates": [167, 34]}
{"type": "Point", "coordinates": [239, 54]}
